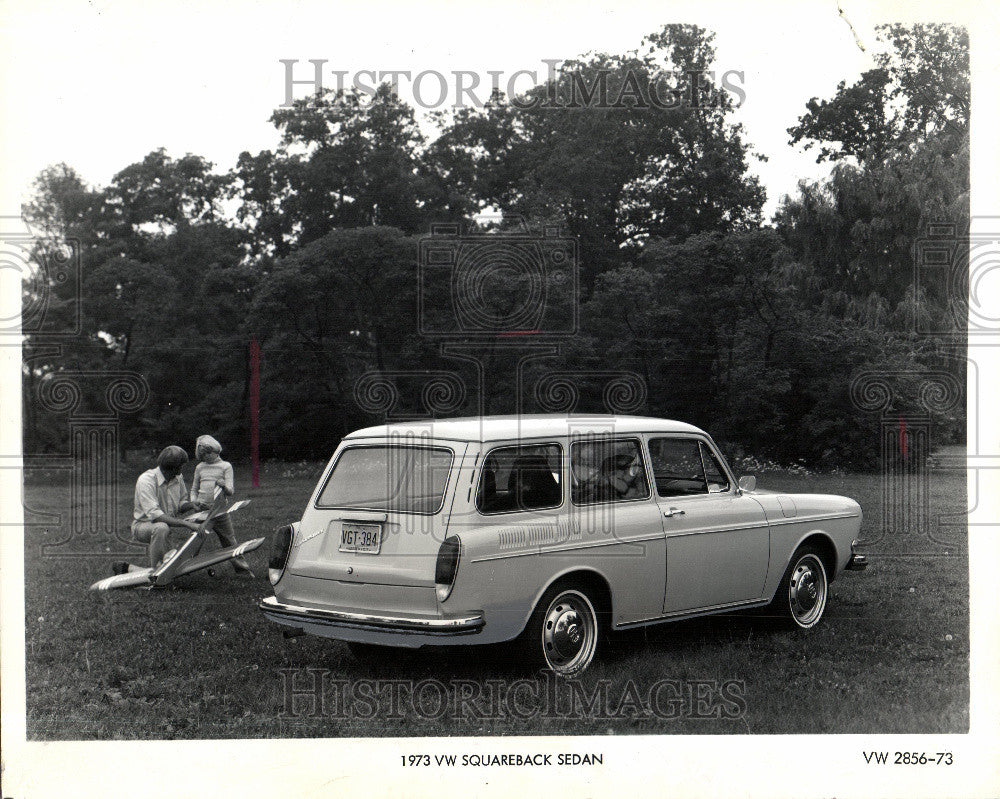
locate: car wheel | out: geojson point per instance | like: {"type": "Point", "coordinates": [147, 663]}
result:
{"type": "Point", "coordinates": [564, 631]}
{"type": "Point", "coordinates": [802, 594]}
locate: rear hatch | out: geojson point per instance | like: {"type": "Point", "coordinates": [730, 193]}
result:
{"type": "Point", "coordinates": [379, 515]}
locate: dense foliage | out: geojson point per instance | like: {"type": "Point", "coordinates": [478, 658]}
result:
{"type": "Point", "coordinates": [752, 330]}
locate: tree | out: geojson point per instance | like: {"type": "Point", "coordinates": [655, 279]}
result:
{"type": "Point", "coordinates": [856, 122]}
{"type": "Point", "coordinates": [262, 185]}
{"type": "Point", "coordinates": [929, 65]}
{"type": "Point", "coordinates": [63, 206]}
{"type": "Point", "coordinates": [899, 141]}
{"type": "Point", "coordinates": [614, 148]}
{"type": "Point", "coordinates": [918, 90]}
{"type": "Point", "coordinates": [347, 161]}
{"type": "Point", "coordinates": [902, 162]}
{"type": "Point", "coordinates": [692, 318]}
{"type": "Point", "coordinates": [753, 331]}
{"type": "Point", "coordinates": [329, 312]}
{"type": "Point", "coordinates": [167, 193]}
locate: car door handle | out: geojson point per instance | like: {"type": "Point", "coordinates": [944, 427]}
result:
{"type": "Point", "coordinates": [672, 512]}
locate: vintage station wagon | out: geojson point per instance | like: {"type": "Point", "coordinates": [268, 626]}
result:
{"type": "Point", "coordinates": [551, 530]}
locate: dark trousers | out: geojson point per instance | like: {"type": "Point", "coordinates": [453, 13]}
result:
{"type": "Point", "coordinates": [223, 527]}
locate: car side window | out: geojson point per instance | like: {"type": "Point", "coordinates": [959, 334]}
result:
{"type": "Point", "coordinates": [678, 470]}
{"type": "Point", "coordinates": [715, 475]}
{"type": "Point", "coordinates": [607, 471]}
{"type": "Point", "coordinates": [520, 478]}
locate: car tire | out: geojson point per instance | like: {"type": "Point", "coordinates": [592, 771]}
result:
{"type": "Point", "coordinates": [803, 591]}
{"type": "Point", "coordinates": [564, 631]}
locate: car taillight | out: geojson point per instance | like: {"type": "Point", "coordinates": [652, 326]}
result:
{"type": "Point", "coordinates": [446, 566]}
{"type": "Point", "coordinates": [281, 545]}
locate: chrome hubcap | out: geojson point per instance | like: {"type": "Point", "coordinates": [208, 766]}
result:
{"type": "Point", "coordinates": [807, 590]}
{"type": "Point", "coordinates": [569, 632]}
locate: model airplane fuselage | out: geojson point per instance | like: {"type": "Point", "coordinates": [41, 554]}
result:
{"type": "Point", "coordinates": [185, 559]}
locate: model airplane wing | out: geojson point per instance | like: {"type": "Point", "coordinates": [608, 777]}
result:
{"type": "Point", "coordinates": [204, 515]}
{"type": "Point", "coordinates": [173, 566]}
{"type": "Point", "coordinates": [127, 580]}
{"type": "Point", "coordinates": [234, 507]}
{"type": "Point", "coordinates": [218, 556]}
{"type": "Point", "coordinates": [165, 572]}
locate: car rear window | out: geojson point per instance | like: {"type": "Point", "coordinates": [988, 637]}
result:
{"type": "Point", "coordinates": [397, 479]}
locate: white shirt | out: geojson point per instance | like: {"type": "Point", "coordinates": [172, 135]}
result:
{"type": "Point", "coordinates": [154, 496]}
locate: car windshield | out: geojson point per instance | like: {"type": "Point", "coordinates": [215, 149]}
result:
{"type": "Point", "coordinates": [391, 478]}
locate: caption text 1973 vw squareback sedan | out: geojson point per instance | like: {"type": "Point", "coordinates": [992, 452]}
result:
{"type": "Point", "coordinates": [548, 529]}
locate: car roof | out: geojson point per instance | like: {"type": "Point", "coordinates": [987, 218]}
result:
{"type": "Point", "coordinates": [525, 426]}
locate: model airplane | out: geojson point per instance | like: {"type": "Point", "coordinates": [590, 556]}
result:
{"type": "Point", "coordinates": [185, 559]}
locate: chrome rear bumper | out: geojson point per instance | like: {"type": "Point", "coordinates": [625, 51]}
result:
{"type": "Point", "coordinates": [296, 615]}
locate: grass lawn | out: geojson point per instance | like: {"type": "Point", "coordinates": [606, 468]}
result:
{"type": "Point", "coordinates": [197, 660]}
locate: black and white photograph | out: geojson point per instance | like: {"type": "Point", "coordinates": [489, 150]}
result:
{"type": "Point", "coordinates": [520, 397]}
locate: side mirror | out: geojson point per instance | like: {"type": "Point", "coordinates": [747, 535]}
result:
{"type": "Point", "coordinates": [747, 483]}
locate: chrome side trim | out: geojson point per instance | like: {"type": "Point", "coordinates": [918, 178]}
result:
{"type": "Point", "coordinates": [668, 536]}
{"type": "Point", "coordinates": [557, 550]}
{"type": "Point", "coordinates": [806, 519]}
{"type": "Point", "coordinates": [730, 528]}
{"type": "Point", "coordinates": [683, 614]}
{"type": "Point", "coordinates": [438, 625]}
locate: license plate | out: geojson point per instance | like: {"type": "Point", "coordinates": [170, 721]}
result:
{"type": "Point", "coordinates": [364, 538]}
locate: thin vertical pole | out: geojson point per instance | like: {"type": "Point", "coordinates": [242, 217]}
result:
{"type": "Point", "coordinates": [254, 413]}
